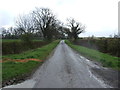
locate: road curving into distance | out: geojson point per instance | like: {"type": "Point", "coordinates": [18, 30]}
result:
{"type": "Point", "coordinates": [65, 69]}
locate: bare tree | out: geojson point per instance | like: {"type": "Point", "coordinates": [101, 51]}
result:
{"type": "Point", "coordinates": [45, 21]}
{"type": "Point", "coordinates": [25, 24]}
{"type": "Point", "coordinates": [10, 33]}
{"type": "Point", "coordinates": [68, 32]}
{"type": "Point", "coordinates": [75, 28]}
{"type": "Point", "coordinates": [4, 32]}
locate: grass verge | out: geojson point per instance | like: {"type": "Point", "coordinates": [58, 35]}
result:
{"type": "Point", "coordinates": [105, 59]}
{"type": "Point", "coordinates": [13, 69]}
{"type": "Point", "coordinates": [17, 69]}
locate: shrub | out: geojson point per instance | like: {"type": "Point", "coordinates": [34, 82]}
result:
{"type": "Point", "coordinates": [16, 47]}
{"type": "Point", "coordinates": [27, 37]}
{"type": "Point", "coordinates": [27, 40]}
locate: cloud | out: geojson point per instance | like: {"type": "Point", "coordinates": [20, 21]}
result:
{"type": "Point", "coordinates": [98, 15]}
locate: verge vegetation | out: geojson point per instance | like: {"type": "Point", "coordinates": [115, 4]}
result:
{"type": "Point", "coordinates": [105, 59]}
{"type": "Point", "coordinates": [13, 71]}
{"type": "Point", "coordinates": [105, 45]}
{"type": "Point", "coordinates": [17, 46]}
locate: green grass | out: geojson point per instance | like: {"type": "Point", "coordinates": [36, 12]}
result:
{"type": "Point", "coordinates": [16, 69]}
{"type": "Point", "coordinates": [13, 69]}
{"type": "Point", "coordinates": [11, 40]}
{"type": "Point", "coordinates": [105, 59]}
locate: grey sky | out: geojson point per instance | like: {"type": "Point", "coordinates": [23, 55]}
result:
{"type": "Point", "coordinates": [100, 16]}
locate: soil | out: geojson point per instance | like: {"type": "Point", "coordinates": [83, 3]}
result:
{"type": "Point", "coordinates": [20, 60]}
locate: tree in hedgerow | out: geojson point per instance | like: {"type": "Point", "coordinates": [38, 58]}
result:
{"type": "Point", "coordinates": [75, 28]}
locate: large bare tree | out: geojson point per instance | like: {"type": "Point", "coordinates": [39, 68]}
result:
{"type": "Point", "coordinates": [45, 21]}
{"type": "Point", "coordinates": [75, 28]}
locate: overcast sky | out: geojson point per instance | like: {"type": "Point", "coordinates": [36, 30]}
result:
{"type": "Point", "coordinates": [99, 16]}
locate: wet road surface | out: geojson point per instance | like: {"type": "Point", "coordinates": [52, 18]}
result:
{"type": "Point", "coordinates": [65, 69]}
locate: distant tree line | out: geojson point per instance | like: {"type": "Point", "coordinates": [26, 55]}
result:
{"type": "Point", "coordinates": [41, 23]}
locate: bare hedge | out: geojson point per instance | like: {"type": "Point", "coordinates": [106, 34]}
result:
{"type": "Point", "coordinates": [18, 47]}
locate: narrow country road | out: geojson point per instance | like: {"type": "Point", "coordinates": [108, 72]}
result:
{"type": "Point", "coordinates": [65, 69]}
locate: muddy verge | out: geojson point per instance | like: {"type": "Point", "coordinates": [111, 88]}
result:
{"type": "Point", "coordinates": [14, 81]}
{"type": "Point", "coordinates": [109, 76]}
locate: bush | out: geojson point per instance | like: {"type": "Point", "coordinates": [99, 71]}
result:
{"type": "Point", "coordinates": [27, 40]}
{"type": "Point", "coordinates": [16, 47]}
{"type": "Point", "coordinates": [27, 37]}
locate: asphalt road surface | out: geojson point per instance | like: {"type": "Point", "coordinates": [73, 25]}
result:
{"type": "Point", "coordinates": [65, 69]}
